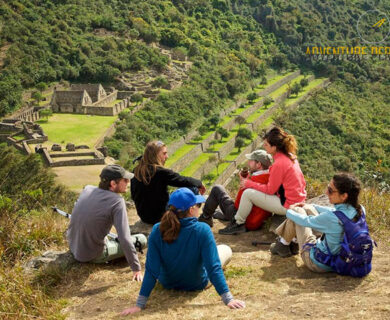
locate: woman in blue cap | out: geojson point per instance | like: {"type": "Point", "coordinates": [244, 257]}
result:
{"type": "Point", "coordinates": [182, 253]}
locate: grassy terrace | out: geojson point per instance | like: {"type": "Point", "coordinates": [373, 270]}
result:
{"type": "Point", "coordinates": [76, 128]}
{"type": "Point", "coordinates": [305, 90]}
{"type": "Point", "coordinates": [284, 88]}
{"type": "Point", "coordinates": [203, 158]}
{"type": "Point", "coordinates": [180, 152]}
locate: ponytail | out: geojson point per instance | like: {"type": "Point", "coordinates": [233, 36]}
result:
{"type": "Point", "coordinates": [349, 184]}
{"type": "Point", "coordinates": [283, 142]}
{"type": "Point", "coordinates": [170, 224]}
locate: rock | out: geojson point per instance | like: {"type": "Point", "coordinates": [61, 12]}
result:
{"type": "Point", "coordinates": [103, 150]}
{"type": "Point", "coordinates": [56, 147]}
{"type": "Point", "coordinates": [62, 259]}
{"type": "Point", "coordinates": [83, 146]}
{"type": "Point", "coordinates": [321, 200]}
{"type": "Point", "coordinates": [70, 147]}
{"type": "Point", "coordinates": [130, 204]}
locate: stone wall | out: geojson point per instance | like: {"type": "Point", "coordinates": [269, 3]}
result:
{"type": "Point", "coordinates": [106, 100]}
{"type": "Point", "coordinates": [99, 111]}
{"type": "Point", "coordinates": [73, 154]}
{"type": "Point", "coordinates": [9, 128]}
{"type": "Point", "coordinates": [27, 114]}
{"type": "Point", "coordinates": [186, 159]}
{"type": "Point", "coordinates": [124, 94]}
{"type": "Point", "coordinates": [78, 162]}
{"type": "Point", "coordinates": [278, 84]}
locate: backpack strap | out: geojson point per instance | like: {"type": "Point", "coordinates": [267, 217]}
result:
{"type": "Point", "coordinates": [341, 216]}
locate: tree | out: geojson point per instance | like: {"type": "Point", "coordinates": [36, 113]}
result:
{"type": "Point", "coordinates": [251, 96]}
{"type": "Point", "coordinates": [223, 133]}
{"type": "Point", "coordinates": [239, 120]}
{"type": "Point", "coordinates": [304, 82]}
{"type": "Point", "coordinates": [37, 96]}
{"type": "Point", "coordinates": [296, 88]}
{"type": "Point", "coordinates": [244, 133]}
{"type": "Point", "coordinates": [214, 120]}
{"type": "Point", "coordinates": [267, 101]}
{"type": "Point", "coordinates": [136, 97]}
{"type": "Point", "coordinates": [240, 142]}
{"type": "Point", "coordinates": [41, 86]}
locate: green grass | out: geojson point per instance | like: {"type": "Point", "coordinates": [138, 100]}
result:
{"type": "Point", "coordinates": [197, 163]}
{"type": "Point", "coordinates": [179, 153]}
{"type": "Point", "coordinates": [273, 80]}
{"type": "Point", "coordinates": [114, 102]}
{"type": "Point", "coordinates": [258, 113]}
{"type": "Point", "coordinates": [284, 88]}
{"type": "Point", "coordinates": [305, 90]}
{"type": "Point", "coordinates": [76, 128]}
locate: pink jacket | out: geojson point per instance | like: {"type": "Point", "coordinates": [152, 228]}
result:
{"type": "Point", "coordinates": [287, 173]}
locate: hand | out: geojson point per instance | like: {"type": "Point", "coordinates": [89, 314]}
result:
{"type": "Point", "coordinates": [300, 204]}
{"type": "Point", "coordinates": [130, 311]}
{"type": "Point", "coordinates": [137, 276]}
{"type": "Point", "coordinates": [242, 182]}
{"type": "Point", "coordinates": [236, 304]}
{"type": "Point", "coordinates": [202, 189]}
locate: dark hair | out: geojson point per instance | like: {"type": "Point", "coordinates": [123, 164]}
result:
{"type": "Point", "coordinates": [283, 142]}
{"type": "Point", "coordinates": [170, 224]}
{"type": "Point", "coordinates": [149, 162]}
{"type": "Point", "coordinates": [105, 184]}
{"type": "Point", "coordinates": [349, 184]}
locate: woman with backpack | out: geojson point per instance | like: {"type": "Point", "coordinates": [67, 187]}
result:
{"type": "Point", "coordinates": [182, 253]}
{"type": "Point", "coordinates": [346, 220]}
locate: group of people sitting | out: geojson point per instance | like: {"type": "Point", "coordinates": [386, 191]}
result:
{"type": "Point", "coordinates": [182, 252]}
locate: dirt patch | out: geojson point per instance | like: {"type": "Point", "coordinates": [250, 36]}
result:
{"type": "Point", "coordinates": [273, 288]}
{"type": "Point", "coordinates": [3, 53]}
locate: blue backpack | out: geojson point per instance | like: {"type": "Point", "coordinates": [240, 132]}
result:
{"type": "Point", "coordinates": [354, 258]}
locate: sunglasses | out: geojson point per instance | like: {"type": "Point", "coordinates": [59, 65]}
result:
{"type": "Point", "coordinates": [198, 205]}
{"type": "Point", "coordinates": [330, 190]}
{"type": "Point", "coordinates": [160, 143]}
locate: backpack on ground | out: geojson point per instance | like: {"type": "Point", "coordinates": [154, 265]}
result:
{"type": "Point", "coordinates": [354, 258]}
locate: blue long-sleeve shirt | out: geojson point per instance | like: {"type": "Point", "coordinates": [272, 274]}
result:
{"type": "Point", "coordinates": [185, 264]}
{"type": "Point", "coordinates": [327, 223]}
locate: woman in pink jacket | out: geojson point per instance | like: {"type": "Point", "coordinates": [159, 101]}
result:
{"type": "Point", "coordinates": [284, 172]}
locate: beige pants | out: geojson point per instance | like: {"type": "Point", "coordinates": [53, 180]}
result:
{"type": "Point", "coordinates": [250, 197]}
{"type": "Point", "coordinates": [289, 230]}
{"type": "Point", "coordinates": [225, 254]}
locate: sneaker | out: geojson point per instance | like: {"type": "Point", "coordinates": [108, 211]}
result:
{"type": "Point", "coordinates": [280, 249]}
{"type": "Point", "coordinates": [233, 228]}
{"type": "Point", "coordinates": [208, 220]}
{"type": "Point", "coordinates": [218, 214]}
{"type": "Point", "coordinates": [294, 248]}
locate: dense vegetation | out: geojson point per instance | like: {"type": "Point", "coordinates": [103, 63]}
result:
{"type": "Point", "coordinates": [27, 226]}
{"type": "Point", "coordinates": [344, 128]}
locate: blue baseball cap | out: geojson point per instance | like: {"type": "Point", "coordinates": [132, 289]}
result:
{"type": "Point", "coordinates": [183, 199]}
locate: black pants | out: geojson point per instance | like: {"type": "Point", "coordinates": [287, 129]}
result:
{"type": "Point", "coordinates": [219, 197]}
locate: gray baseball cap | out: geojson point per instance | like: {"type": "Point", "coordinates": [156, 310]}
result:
{"type": "Point", "coordinates": [115, 171]}
{"type": "Point", "coordinates": [260, 156]}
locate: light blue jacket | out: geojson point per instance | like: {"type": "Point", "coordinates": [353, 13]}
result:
{"type": "Point", "coordinates": [327, 223]}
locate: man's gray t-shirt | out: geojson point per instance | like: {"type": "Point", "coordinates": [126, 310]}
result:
{"type": "Point", "coordinates": [93, 215]}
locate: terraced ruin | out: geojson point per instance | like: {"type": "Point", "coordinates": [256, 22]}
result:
{"type": "Point", "coordinates": [214, 161]}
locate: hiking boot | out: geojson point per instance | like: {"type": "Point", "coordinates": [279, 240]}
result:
{"type": "Point", "coordinates": [280, 249]}
{"type": "Point", "coordinates": [218, 214]}
{"type": "Point", "coordinates": [208, 220]}
{"type": "Point", "coordinates": [294, 248]}
{"type": "Point", "coordinates": [233, 228]}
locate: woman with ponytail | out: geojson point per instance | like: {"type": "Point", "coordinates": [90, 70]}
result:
{"type": "Point", "coordinates": [286, 184]}
{"type": "Point", "coordinates": [182, 253]}
{"type": "Point", "coordinates": [343, 192]}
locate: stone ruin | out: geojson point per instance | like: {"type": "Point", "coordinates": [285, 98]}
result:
{"type": "Point", "coordinates": [21, 133]}
{"type": "Point", "coordinates": [89, 99]}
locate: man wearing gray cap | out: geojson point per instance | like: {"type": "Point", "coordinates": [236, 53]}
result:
{"type": "Point", "coordinates": [258, 163]}
{"type": "Point", "coordinates": [94, 214]}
